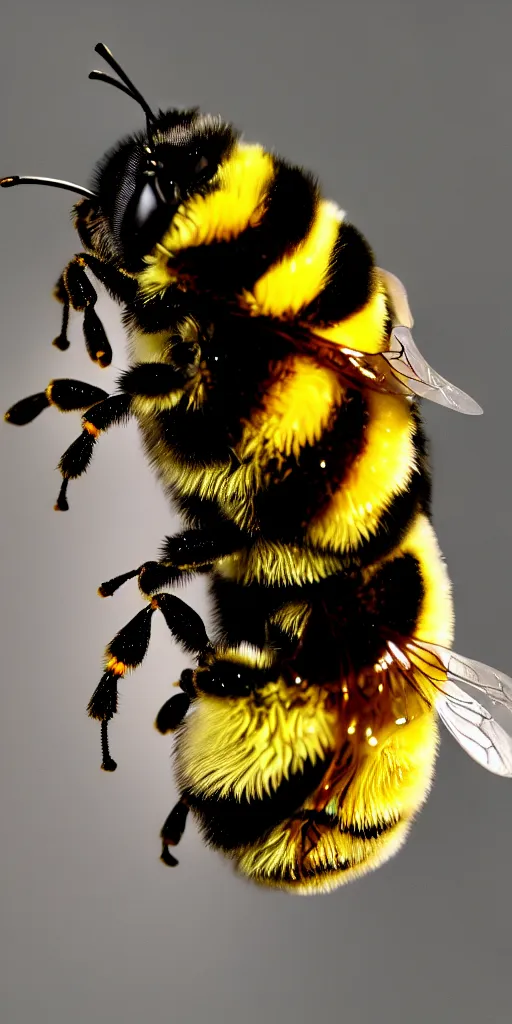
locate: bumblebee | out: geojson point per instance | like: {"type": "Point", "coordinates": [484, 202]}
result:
{"type": "Point", "coordinates": [274, 378]}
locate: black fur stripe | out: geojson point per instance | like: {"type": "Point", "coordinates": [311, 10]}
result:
{"type": "Point", "coordinates": [305, 486]}
{"type": "Point", "coordinates": [356, 831]}
{"type": "Point", "coordinates": [397, 517]}
{"type": "Point", "coordinates": [350, 279]}
{"type": "Point", "coordinates": [368, 833]}
{"type": "Point", "coordinates": [397, 594]}
{"type": "Point", "coordinates": [197, 436]}
{"type": "Point", "coordinates": [227, 267]}
{"type": "Point", "coordinates": [229, 824]}
{"type": "Point", "coordinates": [349, 618]}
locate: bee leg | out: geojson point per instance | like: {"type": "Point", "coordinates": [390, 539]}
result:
{"type": "Point", "coordinates": [151, 577]}
{"type": "Point", "coordinates": [128, 649]}
{"type": "Point", "coordinates": [65, 394]}
{"type": "Point", "coordinates": [182, 555]}
{"type": "Point", "coordinates": [196, 548]}
{"type": "Point", "coordinates": [120, 285]}
{"type": "Point", "coordinates": [172, 831]}
{"type": "Point", "coordinates": [74, 289]}
{"type": "Point", "coordinates": [60, 293]}
{"type": "Point", "coordinates": [155, 380]}
{"type": "Point", "coordinates": [186, 626]}
{"type": "Point", "coordinates": [77, 457]}
{"type": "Point", "coordinates": [173, 712]}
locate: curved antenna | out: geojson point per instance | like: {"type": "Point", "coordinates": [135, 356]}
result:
{"type": "Point", "coordinates": [15, 179]}
{"type": "Point", "coordinates": [101, 76]}
{"type": "Point", "coordinates": [130, 88]}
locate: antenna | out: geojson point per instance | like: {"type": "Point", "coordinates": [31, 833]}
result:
{"type": "Point", "coordinates": [125, 85]}
{"type": "Point", "coordinates": [16, 179]}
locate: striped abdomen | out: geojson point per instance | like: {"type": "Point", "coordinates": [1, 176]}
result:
{"type": "Point", "coordinates": [271, 438]}
{"type": "Point", "coordinates": [316, 774]}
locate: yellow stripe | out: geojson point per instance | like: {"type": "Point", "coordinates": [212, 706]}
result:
{"type": "Point", "coordinates": [276, 862]}
{"type": "Point", "coordinates": [236, 203]}
{"type": "Point", "coordinates": [246, 746]}
{"type": "Point", "coordinates": [393, 780]}
{"type": "Point", "coordinates": [274, 564]}
{"type": "Point", "coordinates": [297, 279]}
{"type": "Point", "coordinates": [296, 409]}
{"type": "Point", "coordinates": [436, 620]}
{"type": "Point", "coordinates": [365, 330]}
{"type": "Point", "coordinates": [382, 470]}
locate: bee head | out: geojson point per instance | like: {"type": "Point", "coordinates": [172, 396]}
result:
{"type": "Point", "coordinates": [141, 183]}
{"type": "Point", "coordinates": [144, 180]}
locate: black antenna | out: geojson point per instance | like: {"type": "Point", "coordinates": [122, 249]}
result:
{"type": "Point", "coordinates": [129, 89]}
{"type": "Point", "coordinates": [101, 76]}
{"type": "Point", "coordinates": [15, 179]}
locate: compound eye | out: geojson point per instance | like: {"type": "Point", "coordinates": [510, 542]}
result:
{"type": "Point", "coordinates": [146, 206]}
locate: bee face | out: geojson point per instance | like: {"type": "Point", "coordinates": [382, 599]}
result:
{"type": "Point", "coordinates": [142, 182]}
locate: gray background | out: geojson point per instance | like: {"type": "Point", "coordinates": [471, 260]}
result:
{"type": "Point", "coordinates": [403, 109]}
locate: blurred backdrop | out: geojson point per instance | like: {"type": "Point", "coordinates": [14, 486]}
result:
{"type": "Point", "coordinates": [403, 110]}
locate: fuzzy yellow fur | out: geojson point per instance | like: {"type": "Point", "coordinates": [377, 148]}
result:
{"type": "Point", "coordinates": [392, 733]}
{"type": "Point", "coordinates": [382, 470]}
{"type": "Point", "coordinates": [364, 331]}
{"type": "Point", "coordinates": [292, 283]}
{"type": "Point", "coordinates": [217, 216]}
{"type": "Point", "coordinates": [245, 747]}
{"type": "Point", "coordinates": [391, 785]}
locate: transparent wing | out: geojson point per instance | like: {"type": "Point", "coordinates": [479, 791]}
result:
{"type": "Point", "coordinates": [398, 298]}
{"type": "Point", "coordinates": [476, 730]}
{"type": "Point", "coordinates": [407, 363]}
{"type": "Point", "coordinates": [469, 722]}
{"type": "Point", "coordinates": [494, 684]}
{"type": "Point", "coordinates": [401, 369]}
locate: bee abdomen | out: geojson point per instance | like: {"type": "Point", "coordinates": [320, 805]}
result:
{"type": "Point", "coordinates": [229, 823]}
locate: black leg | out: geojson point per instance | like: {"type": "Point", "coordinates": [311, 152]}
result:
{"type": "Point", "coordinates": [119, 284]}
{"type": "Point", "coordinates": [65, 394]}
{"type": "Point", "coordinates": [173, 712]}
{"type": "Point", "coordinates": [151, 576]}
{"type": "Point", "coordinates": [60, 293]}
{"type": "Point", "coordinates": [128, 649]}
{"type": "Point", "coordinates": [77, 457]}
{"type": "Point", "coordinates": [74, 289]}
{"type": "Point", "coordinates": [181, 556]}
{"type": "Point", "coordinates": [155, 380]}
{"type": "Point", "coordinates": [172, 831]}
